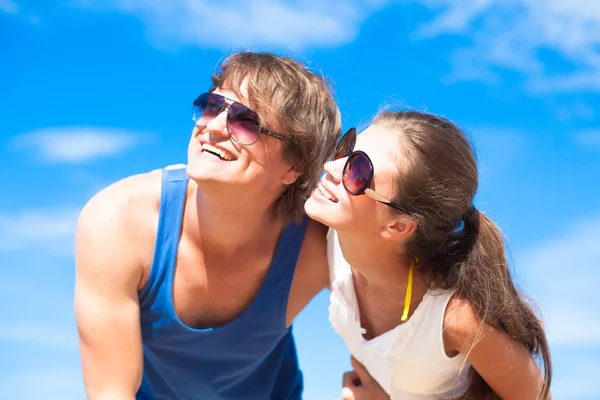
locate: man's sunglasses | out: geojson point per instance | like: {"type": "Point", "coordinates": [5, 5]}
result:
{"type": "Point", "coordinates": [357, 176]}
{"type": "Point", "coordinates": [243, 123]}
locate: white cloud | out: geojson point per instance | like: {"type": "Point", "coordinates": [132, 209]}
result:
{"type": "Point", "coordinates": [49, 231]}
{"type": "Point", "coordinates": [9, 7]}
{"type": "Point", "coordinates": [77, 144]}
{"type": "Point", "coordinates": [512, 34]}
{"type": "Point", "coordinates": [563, 273]}
{"type": "Point", "coordinates": [277, 24]}
{"type": "Point", "coordinates": [456, 18]}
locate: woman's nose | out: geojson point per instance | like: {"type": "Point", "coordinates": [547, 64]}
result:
{"type": "Point", "coordinates": [334, 169]}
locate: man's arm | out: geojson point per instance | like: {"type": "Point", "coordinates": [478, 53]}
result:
{"type": "Point", "coordinates": [312, 273]}
{"type": "Point", "coordinates": [106, 300]}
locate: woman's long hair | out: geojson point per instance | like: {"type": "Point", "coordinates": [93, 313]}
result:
{"type": "Point", "coordinates": [460, 247]}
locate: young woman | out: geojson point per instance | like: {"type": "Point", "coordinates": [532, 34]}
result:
{"type": "Point", "coordinates": [421, 289]}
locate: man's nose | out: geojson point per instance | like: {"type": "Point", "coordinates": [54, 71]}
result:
{"type": "Point", "coordinates": [218, 125]}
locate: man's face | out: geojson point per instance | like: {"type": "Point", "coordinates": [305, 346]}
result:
{"type": "Point", "coordinates": [213, 156]}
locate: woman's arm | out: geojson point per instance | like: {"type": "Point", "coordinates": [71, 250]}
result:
{"type": "Point", "coordinates": [504, 363]}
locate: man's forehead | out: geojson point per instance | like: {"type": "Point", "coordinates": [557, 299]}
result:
{"type": "Point", "coordinates": [229, 89]}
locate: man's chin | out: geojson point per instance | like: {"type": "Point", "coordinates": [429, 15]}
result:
{"type": "Point", "coordinates": [202, 171]}
{"type": "Point", "coordinates": [211, 179]}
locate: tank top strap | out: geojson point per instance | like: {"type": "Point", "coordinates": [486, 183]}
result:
{"type": "Point", "coordinates": [276, 287]}
{"type": "Point", "coordinates": [172, 201]}
{"type": "Point", "coordinates": [288, 248]}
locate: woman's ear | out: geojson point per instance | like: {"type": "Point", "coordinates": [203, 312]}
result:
{"type": "Point", "coordinates": [399, 229]}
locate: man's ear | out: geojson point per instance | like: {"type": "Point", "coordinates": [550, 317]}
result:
{"type": "Point", "coordinates": [399, 229]}
{"type": "Point", "coordinates": [290, 176]}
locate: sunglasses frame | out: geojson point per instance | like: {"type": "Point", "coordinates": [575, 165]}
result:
{"type": "Point", "coordinates": [366, 188]}
{"type": "Point", "coordinates": [227, 103]}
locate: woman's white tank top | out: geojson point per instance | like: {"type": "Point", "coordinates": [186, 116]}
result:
{"type": "Point", "coordinates": [409, 361]}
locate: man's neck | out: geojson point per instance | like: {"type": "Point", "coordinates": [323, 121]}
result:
{"type": "Point", "coordinates": [230, 225]}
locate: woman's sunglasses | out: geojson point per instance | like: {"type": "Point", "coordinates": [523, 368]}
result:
{"type": "Point", "coordinates": [357, 175]}
{"type": "Point", "coordinates": [243, 123]}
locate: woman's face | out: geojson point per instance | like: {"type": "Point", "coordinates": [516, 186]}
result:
{"type": "Point", "coordinates": [333, 206]}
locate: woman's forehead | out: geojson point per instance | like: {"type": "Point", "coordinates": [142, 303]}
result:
{"type": "Point", "coordinates": [376, 138]}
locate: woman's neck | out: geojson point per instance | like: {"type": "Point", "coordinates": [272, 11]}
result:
{"type": "Point", "coordinates": [376, 260]}
{"type": "Point", "coordinates": [380, 275]}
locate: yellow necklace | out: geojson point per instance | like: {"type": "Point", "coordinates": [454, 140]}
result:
{"type": "Point", "coordinates": [409, 286]}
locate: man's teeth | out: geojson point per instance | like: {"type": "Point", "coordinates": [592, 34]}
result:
{"type": "Point", "coordinates": [220, 152]}
{"type": "Point", "coordinates": [325, 193]}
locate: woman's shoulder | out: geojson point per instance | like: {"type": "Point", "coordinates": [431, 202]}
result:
{"type": "Point", "coordinates": [461, 321]}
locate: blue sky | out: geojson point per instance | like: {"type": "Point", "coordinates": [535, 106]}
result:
{"type": "Point", "coordinates": [96, 90]}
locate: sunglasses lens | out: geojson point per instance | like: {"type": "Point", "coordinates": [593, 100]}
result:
{"type": "Point", "coordinates": [345, 145]}
{"type": "Point", "coordinates": [243, 124]}
{"type": "Point", "coordinates": [357, 173]}
{"type": "Point", "coordinates": [206, 107]}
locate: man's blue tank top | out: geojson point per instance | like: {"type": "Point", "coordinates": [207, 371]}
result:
{"type": "Point", "coordinates": [251, 357]}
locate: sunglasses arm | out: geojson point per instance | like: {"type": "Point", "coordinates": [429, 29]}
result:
{"type": "Point", "coordinates": [377, 197]}
{"type": "Point", "coordinates": [271, 133]}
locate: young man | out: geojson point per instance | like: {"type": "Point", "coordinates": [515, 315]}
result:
{"type": "Point", "coordinates": [187, 288]}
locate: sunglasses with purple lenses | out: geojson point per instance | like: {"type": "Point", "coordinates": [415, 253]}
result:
{"type": "Point", "coordinates": [243, 123]}
{"type": "Point", "coordinates": [357, 175]}
{"type": "Point", "coordinates": [345, 145]}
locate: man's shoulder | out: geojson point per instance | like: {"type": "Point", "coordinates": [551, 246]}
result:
{"type": "Point", "coordinates": [126, 200]}
{"type": "Point", "coordinates": [313, 256]}
{"type": "Point", "coordinates": [122, 218]}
